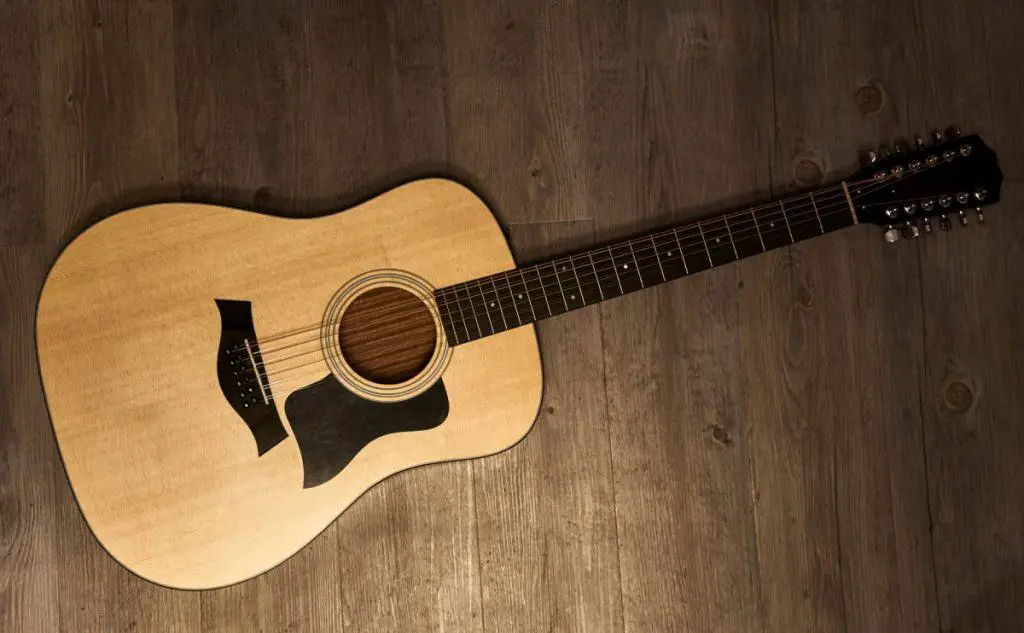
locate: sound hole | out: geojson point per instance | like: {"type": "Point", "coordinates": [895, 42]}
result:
{"type": "Point", "coordinates": [387, 335]}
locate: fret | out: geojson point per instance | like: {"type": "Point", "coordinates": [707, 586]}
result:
{"type": "Point", "coordinates": [803, 218]}
{"type": "Point", "coordinates": [759, 238]}
{"type": "Point", "coordinates": [597, 278]}
{"type": "Point", "coordinates": [649, 265]}
{"type": "Point", "coordinates": [561, 290]}
{"type": "Point", "coordinates": [783, 208]}
{"type": "Point", "coordinates": [582, 301]}
{"type": "Point", "coordinates": [447, 321]}
{"type": "Point", "coordinates": [543, 290]}
{"type": "Point", "coordinates": [682, 254]}
{"type": "Point", "coordinates": [696, 255]}
{"type": "Point", "coordinates": [639, 273]}
{"type": "Point", "coordinates": [817, 214]}
{"type": "Point", "coordinates": [746, 237]}
{"type": "Point", "coordinates": [670, 259]}
{"type": "Point", "coordinates": [608, 277]}
{"type": "Point", "coordinates": [716, 239]}
{"type": "Point", "coordinates": [774, 233]}
{"type": "Point", "coordinates": [510, 301]}
{"type": "Point", "coordinates": [526, 291]}
{"type": "Point", "coordinates": [707, 250]}
{"type": "Point", "coordinates": [568, 286]}
{"type": "Point", "coordinates": [517, 298]}
{"type": "Point", "coordinates": [484, 304]}
{"type": "Point", "coordinates": [461, 288]}
{"type": "Point", "coordinates": [497, 300]}
{"type": "Point", "coordinates": [735, 252]}
{"type": "Point", "coordinates": [625, 269]}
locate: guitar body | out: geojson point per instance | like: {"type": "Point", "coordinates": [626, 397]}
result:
{"type": "Point", "coordinates": [143, 325]}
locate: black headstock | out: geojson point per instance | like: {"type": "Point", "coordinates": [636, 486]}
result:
{"type": "Point", "coordinates": [910, 190]}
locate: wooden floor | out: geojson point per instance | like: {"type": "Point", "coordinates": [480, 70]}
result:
{"type": "Point", "coordinates": [828, 438]}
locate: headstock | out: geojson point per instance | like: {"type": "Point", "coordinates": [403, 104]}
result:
{"type": "Point", "coordinates": [910, 190]}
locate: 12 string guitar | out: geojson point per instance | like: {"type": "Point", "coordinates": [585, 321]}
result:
{"type": "Point", "coordinates": [223, 384]}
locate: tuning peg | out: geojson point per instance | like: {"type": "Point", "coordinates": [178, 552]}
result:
{"type": "Point", "coordinates": [938, 137]}
{"type": "Point", "coordinates": [868, 158]}
{"type": "Point", "coordinates": [919, 143]}
{"type": "Point", "coordinates": [963, 217]}
{"type": "Point", "coordinates": [927, 225]}
{"type": "Point", "coordinates": [898, 148]}
{"type": "Point", "coordinates": [980, 193]}
{"type": "Point", "coordinates": [910, 231]}
{"type": "Point", "coordinates": [944, 222]}
{"type": "Point", "coordinates": [953, 131]}
{"type": "Point", "coordinates": [981, 214]}
{"type": "Point", "coordinates": [892, 234]}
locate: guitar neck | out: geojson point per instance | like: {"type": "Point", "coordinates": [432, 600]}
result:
{"type": "Point", "coordinates": [490, 305]}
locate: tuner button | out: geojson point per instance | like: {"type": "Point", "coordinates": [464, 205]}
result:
{"type": "Point", "coordinates": [869, 157]}
{"type": "Point", "coordinates": [980, 193]}
{"type": "Point", "coordinates": [910, 231]}
{"type": "Point", "coordinates": [944, 222]}
{"type": "Point", "coordinates": [963, 217]}
{"type": "Point", "coordinates": [981, 215]}
{"type": "Point", "coordinates": [927, 225]}
{"type": "Point", "coordinates": [892, 213]}
{"type": "Point", "coordinates": [928, 205]}
{"type": "Point", "coordinates": [892, 234]}
{"type": "Point", "coordinates": [919, 143]}
{"type": "Point", "coordinates": [910, 208]}
{"type": "Point", "coordinates": [938, 137]}
{"type": "Point", "coordinates": [948, 155]}
{"type": "Point", "coordinates": [965, 150]}
{"type": "Point", "coordinates": [914, 165]}
{"type": "Point", "coordinates": [945, 202]}
{"type": "Point", "coordinates": [931, 159]}
{"type": "Point", "coordinates": [963, 197]}
{"type": "Point", "coordinates": [953, 131]}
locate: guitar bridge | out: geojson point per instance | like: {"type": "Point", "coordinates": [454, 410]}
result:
{"type": "Point", "coordinates": [242, 378]}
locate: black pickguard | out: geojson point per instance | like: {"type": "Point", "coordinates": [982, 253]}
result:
{"type": "Point", "coordinates": [331, 424]}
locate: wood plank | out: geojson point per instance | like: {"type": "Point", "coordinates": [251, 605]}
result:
{"type": "Point", "coordinates": [693, 98]}
{"type": "Point", "coordinates": [545, 510]}
{"type": "Point", "coordinates": [29, 563]}
{"type": "Point", "coordinates": [972, 385]}
{"type": "Point", "coordinates": [110, 141]}
{"type": "Point", "coordinates": [21, 162]}
{"type": "Point", "coordinates": [833, 362]}
{"type": "Point", "coordinates": [514, 104]}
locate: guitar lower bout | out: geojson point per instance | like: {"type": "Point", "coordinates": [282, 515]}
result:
{"type": "Point", "coordinates": [217, 380]}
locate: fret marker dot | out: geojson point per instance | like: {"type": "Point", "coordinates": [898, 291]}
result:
{"type": "Point", "coordinates": [563, 269]}
{"type": "Point", "coordinates": [771, 224]}
{"type": "Point", "coordinates": [669, 253]}
{"type": "Point", "coordinates": [573, 297]}
{"type": "Point", "coordinates": [718, 240]}
{"type": "Point", "coordinates": [624, 266]}
{"type": "Point", "coordinates": [520, 296]}
{"type": "Point", "coordinates": [492, 304]}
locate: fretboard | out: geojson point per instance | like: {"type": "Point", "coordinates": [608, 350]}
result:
{"type": "Point", "coordinates": [490, 305]}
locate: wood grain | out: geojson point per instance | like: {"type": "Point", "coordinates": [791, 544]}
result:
{"type": "Point", "coordinates": [838, 457]}
{"type": "Point", "coordinates": [674, 387]}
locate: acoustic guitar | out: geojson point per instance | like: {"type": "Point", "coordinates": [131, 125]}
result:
{"type": "Point", "coordinates": [223, 384]}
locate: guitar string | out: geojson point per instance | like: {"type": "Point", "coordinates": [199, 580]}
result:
{"type": "Point", "coordinates": [744, 212]}
{"type": "Point", "coordinates": [648, 266]}
{"type": "Point", "coordinates": [318, 361]}
{"type": "Point", "coordinates": [829, 211]}
{"type": "Point", "coordinates": [685, 234]}
{"type": "Point", "coordinates": [645, 252]}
